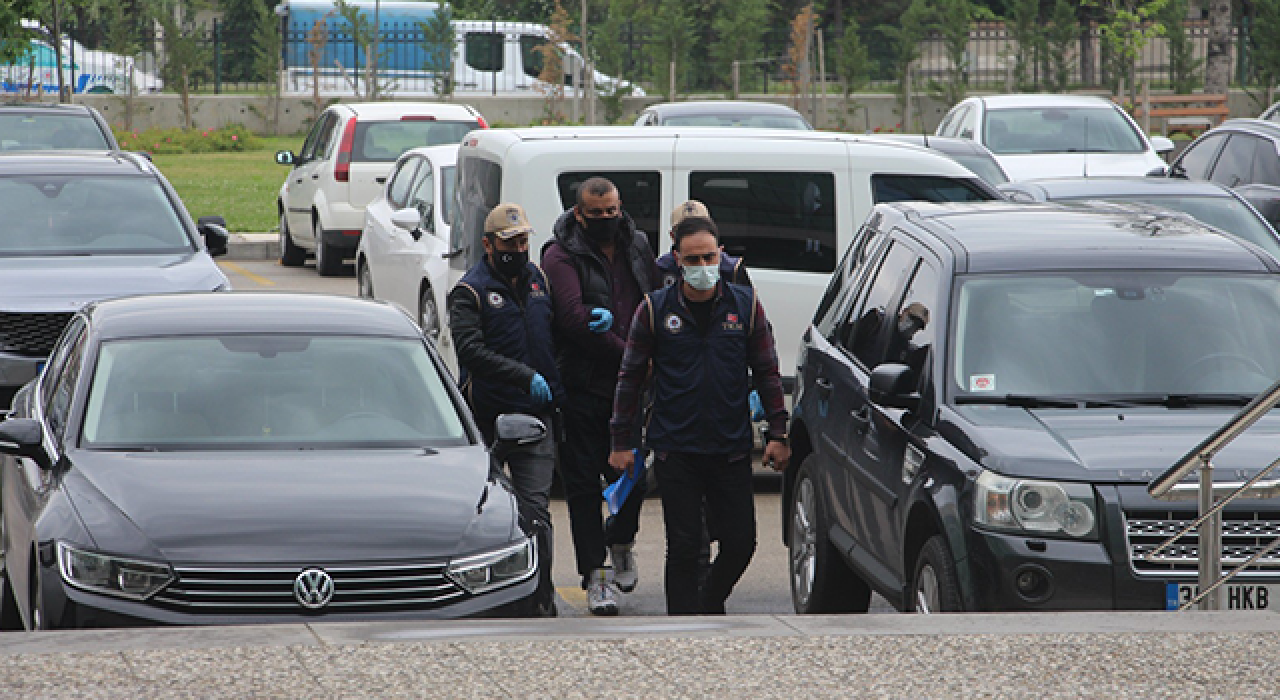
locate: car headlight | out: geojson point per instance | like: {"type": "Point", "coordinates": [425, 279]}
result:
{"type": "Point", "coordinates": [484, 572]}
{"type": "Point", "coordinates": [1034, 506]}
{"type": "Point", "coordinates": [101, 573]}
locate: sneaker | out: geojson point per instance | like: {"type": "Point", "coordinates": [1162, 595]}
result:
{"type": "Point", "coordinates": [625, 576]}
{"type": "Point", "coordinates": [600, 600]}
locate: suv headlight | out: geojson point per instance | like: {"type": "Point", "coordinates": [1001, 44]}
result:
{"type": "Point", "coordinates": [484, 572]}
{"type": "Point", "coordinates": [118, 576]}
{"type": "Point", "coordinates": [1034, 506]}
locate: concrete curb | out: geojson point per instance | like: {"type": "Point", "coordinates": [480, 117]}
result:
{"type": "Point", "coordinates": [253, 246]}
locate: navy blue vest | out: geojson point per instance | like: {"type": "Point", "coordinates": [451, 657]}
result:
{"type": "Point", "coordinates": [517, 324]}
{"type": "Point", "coordinates": [669, 270]}
{"type": "Point", "coordinates": [700, 375]}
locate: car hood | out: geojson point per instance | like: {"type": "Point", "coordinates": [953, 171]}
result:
{"type": "Point", "coordinates": [1049, 165]}
{"type": "Point", "coordinates": [308, 507]}
{"type": "Point", "coordinates": [1133, 445]}
{"type": "Point", "coordinates": [67, 283]}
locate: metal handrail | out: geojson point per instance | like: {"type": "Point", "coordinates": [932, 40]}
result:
{"type": "Point", "coordinates": [1209, 548]}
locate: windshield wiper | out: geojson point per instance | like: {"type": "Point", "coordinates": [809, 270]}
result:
{"type": "Point", "coordinates": [1024, 401]}
{"type": "Point", "coordinates": [1180, 400]}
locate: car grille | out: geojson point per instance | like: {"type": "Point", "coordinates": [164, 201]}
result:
{"type": "Point", "coordinates": [1243, 534]}
{"type": "Point", "coordinates": [31, 334]}
{"type": "Point", "coordinates": [255, 591]}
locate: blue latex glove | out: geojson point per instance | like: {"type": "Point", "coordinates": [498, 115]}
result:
{"type": "Point", "coordinates": [601, 320]}
{"type": "Point", "coordinates": [540, 390]}
{"type": "Point", "coordinates": [757, 407]}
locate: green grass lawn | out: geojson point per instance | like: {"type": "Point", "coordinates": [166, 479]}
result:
{"type": "Point", "coordinates": [240, 187]}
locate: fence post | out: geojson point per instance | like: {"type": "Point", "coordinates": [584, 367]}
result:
{"type": "Point", "coordinates": [217, 57]}
{"type": "Point", "coordinates": [822, 81]}
{"type": "Point", "coordinates": [1146, 106]}
{"type": "Point", "coordinates": [906, 108]}
{"type": "Point", "coordinates": [737, 84]}
{"type": "Point", "coordinates": [672, 97]}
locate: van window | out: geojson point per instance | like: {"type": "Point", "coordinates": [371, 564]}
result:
{"type": "Point", "coordinates": [484, 51]}
{"type": "Point", "coordinates": [479, 186]}
{"type": "Point", "coordinates": [640, 191]}
{"type": "Point", "coordinates": [926, 188]}
{"type": "Point", "coordinates": [778, 221]}
{"type": "Point", "coordinates": [530, 56]}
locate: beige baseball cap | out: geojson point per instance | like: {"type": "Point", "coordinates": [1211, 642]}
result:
{"type": "Point", "coordinates": [690, 208]}
{"type": "Point", "coordinates": [507, 220]}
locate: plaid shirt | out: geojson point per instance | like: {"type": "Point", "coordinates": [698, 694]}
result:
{"type": "Point", "coordinates": [762, 358]}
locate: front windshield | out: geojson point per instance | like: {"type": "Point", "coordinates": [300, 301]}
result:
{"type": "Point", "coordinates": [268, 391]}
{"type": "Point", "coordinates": [448, 184]}
{"type": "Point", "coordinates": [88, 215]}
{"type": "Point", "coordinates": [1059, 130]}
{"type": "Point", "coordinates": [1122, 332]}
{"type": "Point", "coordinates": [44, 132]}
{"type": "Point", "coordinates": [1225, 213]}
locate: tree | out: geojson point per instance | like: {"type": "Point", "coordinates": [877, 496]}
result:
{"type": "Point", "coordinates": [853, 61]}
{"type": "Point", "coordinates": [738, 28]}
{"type": "Point", "coordinates": [1183, 63]}
{"type": "Point", "coordinates": [364, 33]}
{"type": "Point", "coordinates": [1127, 27]}
{"type": "Point", "coordinates": [51, 15]}
{"type": "Point", "coordinates": [905, 39]}
{"type": "Point", "coordinates": [238, 29]}
{"type": "Point", "coordinates": [266, 57]}
{"type": "Point", "coordinates": [15, 41]}
{"type": "Point", "coordinates": [439, 39]}
{"type": "Point", "coordinates": [552, 75]}
{"type": "Point", "coordinates": [673, 38]}
{"type": "Point", "coordinates": [186, 61]}
{"type": "Point", "coordinates": [1265, 39]}
{"type": "Point", "coordinates": [953, 19]}
{"type": "Point", "coordinates": [799, 69]}
{"type": "Point", "coordinates": [1217, 67]}
{"type": "Point", "coordinates": [1060, 38]}
{"type": "Point", "coordinates": [1024, 28]}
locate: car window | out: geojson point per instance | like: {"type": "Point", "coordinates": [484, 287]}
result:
{"type": "Point", "coordinates": [863, 334]}
{"type": "Point", "coordinates": [1060, 130]}
{"type": "Point", "coordinates": [384, 141]}
{"type": "Point", "coordinates": [483, 51]}
{"type": "Point", "coordinates": [1266, 165]}
{"type": "Point", "coordinates": [840, 279]}
{"type": "Point", "coordinates": [40, 132]}
{"type": "Point", "coordinates": [927, 188]}
{"type": "Point", "coordinates": [325, 137]}
{"type": "Point", "coordinates": [1198, 158]}
{"type": "Point", "coordinates": [313, 136]}
{"type": "Point", "coordinates": [448, 183]}
{"type": "Point", "coordinates": [1235, 165]}
{"type": "Point", "coordinates": [753, 121]}
{"type": "Point", "coordinates": [479, 187]}
{"type": "Point", "coordinates": [237, 391]}
{"type": "Point", "coordinates": [944, 128]}
{"type": "Point", "coordinates": [423, 197]}
{"type": "Point", "coordinates": [401, 179]}
{"type": "Point", "coordinates": [61, 350]}
{"type": "Point", "coordinates": [59, 406]}
{"type": "Point", "coordinates": [530, 56]}
{"type": "Point", "coordinates": [1223, 212]}
{"type": "Point", "coordinates": [640, 191]}
{"type": "Point", "coordinates": [965, 124]}
{"type": "Point", "coordinates": [88, 214]}
{"type": "Point", "coordinates": [914, 330]}
{"type": "Point", "coordinates": [772, 220]}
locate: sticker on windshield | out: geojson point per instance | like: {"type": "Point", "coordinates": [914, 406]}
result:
{"type": "Point", "coordinates": [982, 382]}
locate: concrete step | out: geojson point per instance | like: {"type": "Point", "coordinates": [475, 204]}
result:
{"type": "Point", "coordinates": [253, 246]}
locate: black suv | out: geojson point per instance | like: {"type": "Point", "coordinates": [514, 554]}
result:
{"type": "Point", "coordinates": [987, 389]}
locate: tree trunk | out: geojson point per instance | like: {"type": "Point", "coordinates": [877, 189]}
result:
{"type": "Point", "coordinates": [1217, 66]}
{"type": "Point", "coordinates": [63, 90]}
{"type": "Point", "coordinates": [1088, 77]}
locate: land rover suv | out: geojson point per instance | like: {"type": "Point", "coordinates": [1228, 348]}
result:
{"type": "Point", "coordinates": [986, 391]}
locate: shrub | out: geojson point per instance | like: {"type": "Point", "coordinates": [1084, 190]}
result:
{"type": "Point", "coordinates": [173, 141]}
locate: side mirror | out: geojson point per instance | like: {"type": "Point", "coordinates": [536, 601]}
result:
{"type": "Point", "coordinates": [216, 235]}
{"type": "Point", "coordinates": [23, 437]}
{"type": "Point", "coordinates": [144, 154]}
{"type": "Point", "coordinates": [1157, 172]}
{"type": "Point", "coordinates": [408, 219]}
{"type": "Point", "coordinates": [892, 385]}
{"type": "Point", "coordinates": [286, 158]}
{"type": "Point", "coordinates": [515, 430]}
{"type": "Point", "coordinates": [1264, 198]}
{"type": "Point", "coordinates": [1162, 144]}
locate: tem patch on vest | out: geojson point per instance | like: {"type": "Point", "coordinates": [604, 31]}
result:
{"type": "Point", "coordinates": [673, 323]}
{"type": "Point", "coordinates": [982, 382]}
{"type": "Point", "coordinates": [496, 300]}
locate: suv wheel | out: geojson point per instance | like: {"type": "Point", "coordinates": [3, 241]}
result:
{"type": "Point", "coordinates": [935, 587]}
{"type": "Point", "coordinates": [429, 315]}
{"type": "Point", "coordinates": [821, 581]}
{"type": "Point", "coordinates": [364, 280]}
{"type": "Point", "coordinates": [291, 255]}
{"type": "Point", "coordinates": [328, 262]}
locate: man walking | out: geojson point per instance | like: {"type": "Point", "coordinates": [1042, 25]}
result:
{"type": "Point", "coordinates": [703, 338]}
{"type": "Point", "coordinates": [500, 316]}
{"type": "Point", "coordinates": [600, 267]}
{"type": "Point", "coordinates": [731, 269]}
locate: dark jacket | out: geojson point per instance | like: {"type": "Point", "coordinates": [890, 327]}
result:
{"type": "Point", "coordinates": [731, 270]}
{"type": "Point", "coordinates": [582, 279]}
{"type": "Point", "coordinates": [503, 336]}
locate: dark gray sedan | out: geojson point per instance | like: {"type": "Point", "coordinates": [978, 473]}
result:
{"type": "Point", "coordinates": [242, 458]}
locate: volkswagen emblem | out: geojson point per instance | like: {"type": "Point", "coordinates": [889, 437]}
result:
{"type": "Point", "coordinates": [313, 589]}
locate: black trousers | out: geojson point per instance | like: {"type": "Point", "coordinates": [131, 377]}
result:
{"type": "Point", "coordinates": [584, 471]}
{"type": "Point", "coordinates": [721, 484]}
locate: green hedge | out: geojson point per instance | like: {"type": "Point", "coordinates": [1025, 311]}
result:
{"type": "Point", "coordinates": [176, 141]}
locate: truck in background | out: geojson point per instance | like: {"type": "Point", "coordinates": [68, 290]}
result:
{"type": "Point", "coordinates": [488, 57]}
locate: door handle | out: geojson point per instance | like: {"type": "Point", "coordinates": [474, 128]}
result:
{"type": "Point", "coordinates": [380, 180]}
{"type": "Point", "coordinates": [824, 386]}
{"type": "Point", "coordinates": [316, 176]}
{"type": "Point", "coordinates": [861, 418]}
{"type": "Point", "coordinates": [299, 181]}
{"type": "Point", "coordinates": [453, 253]}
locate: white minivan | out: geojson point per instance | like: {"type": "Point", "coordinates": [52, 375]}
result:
{"type": "Point", "coordinates": [787, 202]}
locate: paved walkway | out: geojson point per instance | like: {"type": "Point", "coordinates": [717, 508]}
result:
{"type": "Point", "coordinates": [1165, 655]}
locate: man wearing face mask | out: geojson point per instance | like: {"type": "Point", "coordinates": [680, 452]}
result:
{"type": "Point", "coordinates": [600, 267]}
{"type": "Point", "coordinates": [705, 341]}
{"type": "Point", "coordinates": [500, 316]}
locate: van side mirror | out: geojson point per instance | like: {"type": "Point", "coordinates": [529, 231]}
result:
{"type": "Point", "coordinates": [893, 385]}
{"type": "Point", "coordinates": [1161, 144]}
{"type": "Point", "coordinates": [215, 233]}
{"type": "Point", "coordinates": [513, 431]}
{"type": "Point", "coordinates": [286, 158]}
{"type": "Point", "coordinates": [1264, 198]}
{"type": "Point", "coordinates": [23, 437]}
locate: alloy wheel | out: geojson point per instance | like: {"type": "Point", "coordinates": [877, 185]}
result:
{"type": "Point", "coordinates": [927, 597]}
{"type": "Point", "coordinates": [804, 542]}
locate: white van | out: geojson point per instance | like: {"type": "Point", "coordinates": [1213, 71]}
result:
{"type": "Point", "coordinates": [787, 202]}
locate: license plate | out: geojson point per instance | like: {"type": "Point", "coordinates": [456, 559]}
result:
{"type": "Point", "coordinates": [1235, 596]}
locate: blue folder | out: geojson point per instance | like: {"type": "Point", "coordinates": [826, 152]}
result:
{"type": "Point", "coordinates": [615, 494]}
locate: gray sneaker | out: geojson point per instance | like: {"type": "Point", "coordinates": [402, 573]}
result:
{"type": "Point", "coordinates": [625, 575]}
{"type": "Point", "coordinates": [600, 600]}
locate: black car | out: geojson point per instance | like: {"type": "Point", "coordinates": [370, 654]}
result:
{"type": "Point", "coordinates": [243, 458]}
{"type": "Point", "coordinates": [987, 390]}
{"type": "Point", "coordinates": [966, 152]}
{"type": "Point", "coordinates": [36, 126]}
{"type": "Point", "coordinates": [1243, 154]}
{"type": "Point", "coordinates": [1211, 203]}
{"type": "Point", "coordinates": [728, 113]}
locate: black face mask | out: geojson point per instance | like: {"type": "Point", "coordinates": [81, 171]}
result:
{"type": "Point", "coordinates": [603, 230]}
{"type": "Point", "coordinates": [508, 264]}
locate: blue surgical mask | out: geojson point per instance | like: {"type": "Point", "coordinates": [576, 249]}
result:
{"type": "Point", "coordinates": [702, 277]}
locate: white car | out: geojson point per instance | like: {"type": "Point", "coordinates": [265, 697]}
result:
{"type": "Point", "coordinates": [1043, 136]}
{"type": "Point", "coordinates": [401, 257]}
{"type": "Point", "coordinates": [343, 166]}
